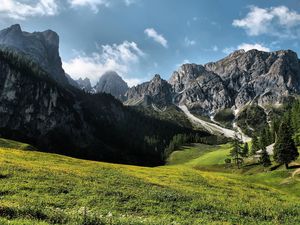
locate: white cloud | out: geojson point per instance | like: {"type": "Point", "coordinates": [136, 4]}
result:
{"type": "Point", "coordinates": [150, 32]}
{"type": "Point", "coordinates": [23, 9]}
{"type": "Point", "coordinates": [93, 4]}
{"type": "Point", "coordinates": [276, 21]}
{"type": "Point", "coordinates": [185, 61]}
{"type": "Point", "coordinates": [257, 46]}
{"type": "Point", "coordinates": [133, 81]}
{"type": "Point", "coordinates": [246, 47]}
{"type": "Point", "coordinates": [119, 58]}
{"type": "Point", "coordinates": [130, 2]}
{"type": "Point", "coordinates": [189, 42]}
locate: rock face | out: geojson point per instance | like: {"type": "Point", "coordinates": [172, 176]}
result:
{"type": "Point", "coordinates": [111, 83]}
{"type": "Point", "coordinates": [41, 47]}
{"type": "Point", "coordinates": [85, 84]}
{"type": "Point", "coordinates": [157, 91]}
{"type": "Point", "coordinates": [242, 77]}
{"type": "Point", "coordinates": [267, 78]}
{"type": "Point", "coordinates": [200, 90]}
{"type": "Point", "coordinates": [36, 109]}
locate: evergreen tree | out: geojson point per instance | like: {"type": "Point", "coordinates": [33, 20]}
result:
{"type": "Point", "coordinates": [236, 151]}
{"type": "Point", "coordinates": [245, 151]}
{"type": "Point", "coordinates": [255, 145]}
{"type": "Point", "coordinates": [265, 158]}
{"type": "Point", "coordinates": [263, 139]}
{"type": "Point", "coordinates": [285, 150]}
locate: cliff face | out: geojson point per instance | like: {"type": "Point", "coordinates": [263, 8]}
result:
{"type": "Point", "coordinates": [265, 78]}
{"type": "Point", "coordinates": [41, 47]}
{"type": "Point", "coordinates": [36, 109]}
{"type": "Point", "coordinates": [111, 83]}
{"type": "Point", "coordinates": [157, 92]}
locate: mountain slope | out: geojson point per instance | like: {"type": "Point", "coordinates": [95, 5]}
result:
{"type": "Point", "coordinates": [63, 190]}
{"type": "Point", "coordinates": [36, 109]}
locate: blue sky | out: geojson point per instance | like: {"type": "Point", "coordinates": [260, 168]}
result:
{"type": "Point", "coordinates": [139, 38]}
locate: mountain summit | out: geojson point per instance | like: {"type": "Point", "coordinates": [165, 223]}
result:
{"type": "Point", "coordinates": [110, 82]}
{"type": "Point", "coordinates": [41, 47]}
{"type": "Point", "coordinates": [241, 78]}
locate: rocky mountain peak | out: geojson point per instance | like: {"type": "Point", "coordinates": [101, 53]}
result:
{"type": "Point", "coordinates": [41, 47]}
{"type": "Point", "coordinates": [184, 75]}
{"type": "Point", "coordinates": [51, 37]}
{"type": "Point", "coordinates": [110, 82]}
{"type": "Point", "coordinates": [84, 84]}
{"type": "Point", "coordinates": [16, 28]}
{"type": "Point", "coordinates": [157, 91]}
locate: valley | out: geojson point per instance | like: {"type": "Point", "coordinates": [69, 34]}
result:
{"type": "Point", "coordinates": [194, 188]}
{"type": "Point", "coordinates": [216, 143]}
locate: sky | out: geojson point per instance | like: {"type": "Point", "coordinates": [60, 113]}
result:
{"type": "Point", "coordinates": [140, 38]}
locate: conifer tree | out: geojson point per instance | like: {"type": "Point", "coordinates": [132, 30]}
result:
{"type": "Point", "coordinates": [245, 151]}
{"type": "Point", "coordinates": [236, 151]}
{"type": "Point", "coordinates": [265, 158]}
{"type": "Point", "coordinates": [285, 150]}
{"type": "Point", "coordinates": [255, 145]}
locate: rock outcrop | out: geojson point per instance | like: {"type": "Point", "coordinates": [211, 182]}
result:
{"type": "Point", "coordinates": [41, 47]}
{"type": "Point", "coordinates": [85, 84]}
{"type": "Point", "coordinates": [264, 78]}
{"type": "Point", "coordinates": [110, 82]}
{"type": "Point", "coordinates": [157, 92]}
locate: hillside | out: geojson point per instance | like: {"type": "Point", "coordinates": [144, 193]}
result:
{"type": "Point", "coordinates": [36, 109]}
{"type": "Point", "coordinates": [43, 188]}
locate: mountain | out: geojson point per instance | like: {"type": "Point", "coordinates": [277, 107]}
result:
{"type": "Point", "coordinates": [110, 82]}
{"type": "Point", "coordinates": [263, 78]}
{"type": "Point", "coordinates": [85, 84]}
{"type": "Point", "coordinates": [156, 92]}
{"type": "Point", "coordinates": [71, 81]}
{"type": "Point", "coordinates": [36, 109]}
{"type": "Point", "coordinates": [41, 47]}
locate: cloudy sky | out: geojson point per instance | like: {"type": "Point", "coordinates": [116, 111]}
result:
{"type": "Point", "coordinates": [138, 38]}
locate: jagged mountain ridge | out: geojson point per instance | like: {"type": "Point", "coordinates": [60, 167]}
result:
{"type": "Point", "coordinates": [157, 91]}
{"type": "Point", "coordinates": [36, 109]}
{"type": "Point", "coordinates": [266, 78]}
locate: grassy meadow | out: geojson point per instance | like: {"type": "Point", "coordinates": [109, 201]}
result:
{"type": "Point", "coordinates": [194, 188]}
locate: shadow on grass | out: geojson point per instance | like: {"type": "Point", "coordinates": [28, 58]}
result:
{"type": "Point", "coordinates": [294, 167]}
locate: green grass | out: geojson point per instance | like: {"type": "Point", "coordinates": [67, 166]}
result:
{"type": "Point", "coordinates": [187, 153]}
{"type": "Point", "coordinates": [42, 188]}
{"type": "Point", "coordinates": [215, 157]}
{"type": "Point", "coordinates": [14, 144]}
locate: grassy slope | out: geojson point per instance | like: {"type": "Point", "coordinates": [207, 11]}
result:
{"type": "Point", "coordinates": [42, 188]}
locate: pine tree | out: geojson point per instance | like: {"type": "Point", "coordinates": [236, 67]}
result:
{"type": "Point", "coordinates": [265, 158]}
{"type": "Point", "coordinates": [245, 151]}
{"type": "Point", "coordinates": [255, 145]}
{"type": "Point", "coordinates": [263, 139]}
{"type": "Point", "coordinates": [285, 150]}
{"type": "Point", "coordinates": [236, 151]}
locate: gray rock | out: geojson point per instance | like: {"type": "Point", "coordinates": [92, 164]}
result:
{"type": "Point", "coordinates": [41, 47]}
{"type": "Point", "coordinates": [264, 78]}
{"type": "Point", "coordinates": [110, 82]}
{"type": "Point", "coordinates": [157, 91]}
{"type": "Point", "coordinates": [85, 84]}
